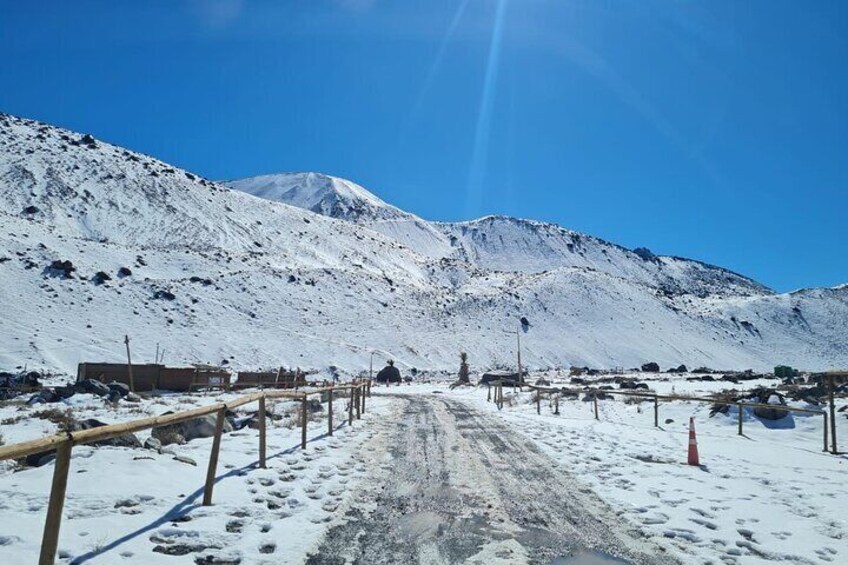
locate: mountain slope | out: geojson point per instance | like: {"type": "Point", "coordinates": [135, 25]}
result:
{"type": "Point", "coordinates": [213, 274]}
{"type": "Point", "coordinates": [498, 243]}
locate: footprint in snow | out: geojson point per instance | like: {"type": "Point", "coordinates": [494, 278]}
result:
{"type": "Point", "coordinates": [655, 518]}
{"type": "Point", "coordinates": [705, 523]}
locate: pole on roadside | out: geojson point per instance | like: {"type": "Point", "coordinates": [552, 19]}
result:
{"type": "Point", "coordinates": [129, 363]}
{"type": "Point", "coordinates": [833, 449]}
{"type": "Point", "coordinates": [656, 412]}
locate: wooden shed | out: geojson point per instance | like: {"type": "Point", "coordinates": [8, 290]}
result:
{"type": "Point", "coordinates": [151, 376]}
{"type": "Point", "coordinates": [282, 378]}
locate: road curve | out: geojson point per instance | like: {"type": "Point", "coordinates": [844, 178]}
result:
{"type": "Point", "coordinates": [452, 484]}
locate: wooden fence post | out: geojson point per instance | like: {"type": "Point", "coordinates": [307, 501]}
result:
{"type": "Point", "coordinates": [303, 417]}
{"type": "Point", "coordinates": [330, 412]}
{"type": "Point", "coordinates": [369, 388]}
{"type": "Point", "coordinates": [129, 363]}
{"type": "Point", "coordinates": [362, 394]}
{"type": "Point", "coordinates": [824, 414]}
{"type": "Point", "coordinates": [830, 379]}
{"type": "Point", "coordinates": [50, 540]}
{"type": "Point", "coordinates": [489, 393]}
{"type": "Point", "coordinates": [262, 432]}
{"type": "Point", "coordinates": [656, 412]}
{"type": "Point", "coordinates": [539, 402]}
{"type": "Point", "coordinates": [556, 405]}
{"type": "Point", "coordinates": [739, 406]}
{"type": "Point", "coordinates": [358, 401]}
{"type": "Point", "coordinates": [213, 458]}
{"type": "Point", "coordinates": [350, 407]}
{"type": "Point", "coordinates": [595, 399]}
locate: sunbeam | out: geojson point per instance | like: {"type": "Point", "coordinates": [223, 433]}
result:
{"type": "Point", "coordinates": [479, 157]}
{"type": "Point", "coordinates": [437, 62]}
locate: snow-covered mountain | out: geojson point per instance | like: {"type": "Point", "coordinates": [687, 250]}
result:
{"type": "Point", "coordinates": [312, 271]}
{"type": "Point", "coordinates": [497, 243]}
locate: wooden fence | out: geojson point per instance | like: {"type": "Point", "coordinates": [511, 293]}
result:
{"type": "Point", "coordinates": [64, 443]}
{"type": "Point", "coordinates": [656, 398]}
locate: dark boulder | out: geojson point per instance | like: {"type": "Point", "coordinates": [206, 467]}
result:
{"type": "Point", "coordinates": [122, 388]}
{"type": "Point", "coordinates": [100, 277]}
{"type": "Point", "coordinates": [45, 395]}
{"type": "Point", "coordinates": [124, 272]}
{"type": "Point", "coordinates": [163, 295]}
{"type": "Point", "coordinates": [66, 391]}
{"type": "Point", "coordinates": [201, 427]}
{"type": "Point", "coordinates": [650, 368]}
{"type": "Point", "coordinates": [125, 440]}
{"type": "Point", "coordinates": [29, 210]}
{"type": "Point", "coordinates": [771, 413]}
{"type": "Point", "coordinates": [91, 386]}
{"type": "Point", "coordinates": [59, 268]}
{"type": "Point", "coordinates": [645, 254]}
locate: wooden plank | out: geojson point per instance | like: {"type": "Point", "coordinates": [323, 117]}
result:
{"type": "Point", "coordinates": [50, 539]}
{"type": "Point", "coordinates": [213, 458]}
{"type": "Point", "coordinates": [656, 412]}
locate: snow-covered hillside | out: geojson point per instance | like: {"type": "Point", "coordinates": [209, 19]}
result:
{"type": "Point", "coordinates": [333, 273]}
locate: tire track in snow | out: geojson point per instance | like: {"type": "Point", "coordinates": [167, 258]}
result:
{"type": "Point", "coordinates": [459, 486]}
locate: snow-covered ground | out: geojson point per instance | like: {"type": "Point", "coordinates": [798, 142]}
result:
{"type": "Point", "coordinates": [123, 503]}
{"type": "Point", "coordinates": [320, 272]}
{"type": "Point", "coordinates": [768, 496]}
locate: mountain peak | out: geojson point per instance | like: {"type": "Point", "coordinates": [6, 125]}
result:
{"type": "Point", "coordinates": [320, 193]}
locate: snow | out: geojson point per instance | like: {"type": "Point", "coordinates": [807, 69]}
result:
{"type": "Point", "coordinates": [122, 503]}
{"type": "Point", "coordinates": [771, 495]}
{"type": "Point", "coordinates": [293, 287]}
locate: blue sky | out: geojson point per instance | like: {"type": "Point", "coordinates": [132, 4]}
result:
{"type": "Point", "coordinates": [716, 130]}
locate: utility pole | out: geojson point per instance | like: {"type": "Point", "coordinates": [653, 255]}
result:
{"type": "Point", "coordinates": [129, 362]}
{"type": "Point", "coordinates": [520, 373]}
{"type": "Point", "coordinates": [371, 367]}
{"type": "Point", "coordinates": [518, 353]}
{"type": "Point", "coordinates": [156, 359]}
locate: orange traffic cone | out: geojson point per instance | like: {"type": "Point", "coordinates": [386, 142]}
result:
{"type": "Point", "coordinates": [693, 444]}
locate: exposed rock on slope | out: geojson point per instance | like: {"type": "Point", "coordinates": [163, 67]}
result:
{"type": "Point", "coordinates": [259, 282]}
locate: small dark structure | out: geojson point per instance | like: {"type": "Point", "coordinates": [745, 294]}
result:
{"type": "Point", "coordinates": [282, 378]}
{"type": "Point", "coordinates": [506, 378]}
{"type": "Point", "coordinates": [389, 374]}
{"type": "Point", "coordinates": [152, 376]}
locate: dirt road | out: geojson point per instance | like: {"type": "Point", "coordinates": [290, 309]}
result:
{"type": "Point", "coordinates": [454, 485]}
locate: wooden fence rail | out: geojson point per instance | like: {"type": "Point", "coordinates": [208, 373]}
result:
{"type": "Point", "coordinates": [656, 398]}
{"type": "Point", "coordinates": [64, 443]}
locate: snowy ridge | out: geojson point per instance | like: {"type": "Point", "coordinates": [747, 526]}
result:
{"type": "Point", "coordinates": [217, 274]}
